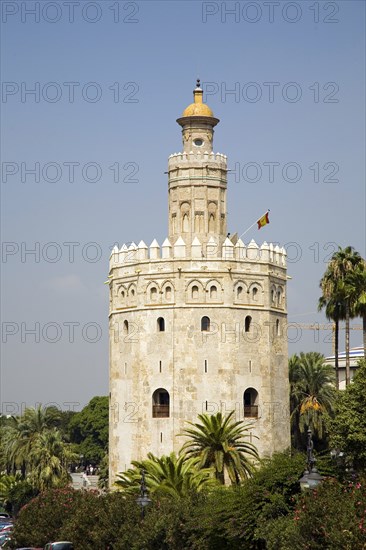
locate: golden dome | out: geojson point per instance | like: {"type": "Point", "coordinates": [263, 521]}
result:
{"type": "Point", "coordinates": [198, 108]}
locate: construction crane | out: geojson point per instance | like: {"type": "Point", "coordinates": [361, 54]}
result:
{"type": "Point", "coordinates": [316, 327]}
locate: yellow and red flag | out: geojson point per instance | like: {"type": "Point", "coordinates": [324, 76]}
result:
{"type": "Point", "coordinates": [263, 220]}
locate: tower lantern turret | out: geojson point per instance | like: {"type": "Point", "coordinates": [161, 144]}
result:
{"type": "Point", "coordinates": [197, 179]}
{"type": "Point", "coordinates": [197, 123]}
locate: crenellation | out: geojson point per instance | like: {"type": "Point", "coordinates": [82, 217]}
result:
{"type": "Point", "coordinates": [228, 250]}
{"type": "Point", "coordinates": [154, 250]}
{"type": "Point", "coordinates": [264, 251]}
{"type": "Point", "coordinates": [180, 248]}
{"type": "Point", "coordinates": [196, 249]}
{"type": "Point", "coordinates": [253, 252]}
{"type": "Point", "coordinates": [166, 249]}
{"type": "Point", "coordinates": [244, 256]}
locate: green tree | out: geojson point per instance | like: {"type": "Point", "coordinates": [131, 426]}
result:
{"type": "Point", "coordinates": [89, 429]}
{"type": "Point", "coordinates": [15, 492]}
{"type": "Point", "coordinates": [347, 429]}
{"type": "Point", "coordinates": [20, 434]}
{"type": "Point", "coordinates": [312, 391]}
{"type": "Point", "coordinates": [219, 442]}
{"type": "Point", "coordinates": [331, 517]}
{"type": "Point", "coordinates": [339, 292]}
{"type": "Point", "coordinates": [169, 475]}
{"type": "Point", "coordinates": [358, 279]}
{"type": "Point", "coordinates": [334, 311]}
{"type": "Point", "coordinates": [49, 460]}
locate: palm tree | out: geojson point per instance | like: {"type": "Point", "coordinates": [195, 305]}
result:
{"type": "Point", "coordinates": [295, 398]}
{"type": "Point", "coordinates": [336, 288]}
{"type": "Point", "coordinates": [312, 391]}
{"type": "Point", "coordinates": [358, 279]}
{"type": "Point", "coordinates": [33, 445]}
{"type": "Point", "coordinates": [334, 311]}
{"type": "Point", "coordinates": [219, 442]}
{"type": "Point", "coordinates": [49, 459]}
{"type": "Point", "coordinates": [169, 475]}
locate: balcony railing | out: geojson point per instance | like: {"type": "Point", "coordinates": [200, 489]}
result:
{"type": "Point", "coordinates": [160, 411]}
{"type": "Point", "coordinates": [251, 411]}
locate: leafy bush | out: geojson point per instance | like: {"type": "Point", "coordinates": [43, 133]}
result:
{"type": "Point", "coordinates": [42, 518]}
{"type": "Point", "coordinates": [330, 517]}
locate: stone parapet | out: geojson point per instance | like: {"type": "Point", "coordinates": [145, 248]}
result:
{"type": "Point", "coordinates": [240, 252]}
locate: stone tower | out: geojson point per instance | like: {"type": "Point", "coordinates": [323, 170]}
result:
{"type": "Point", "coordinates": [197, 324]}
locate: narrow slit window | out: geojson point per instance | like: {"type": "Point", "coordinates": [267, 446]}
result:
{"type": "Point", "coordinates": [248, 322]}
{"type": "Point", "coordinates": [205, 365]}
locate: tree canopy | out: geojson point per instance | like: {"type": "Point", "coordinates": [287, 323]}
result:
{"type": "Point", "coordinates": [348, 427]}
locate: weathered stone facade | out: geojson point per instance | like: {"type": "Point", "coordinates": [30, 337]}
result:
{"type": "Point", "coordinates": [197, 324]}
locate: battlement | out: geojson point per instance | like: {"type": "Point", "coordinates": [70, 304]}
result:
{"type": "Point", "coordinates": [177, 160]}
{"type": "Point", "coordinates": [252, 252]}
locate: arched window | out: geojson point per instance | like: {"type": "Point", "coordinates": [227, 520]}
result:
{"type": "Point", "coordinates": [279, 297]}
{"type": "Point", "coordinates": [160, 403]}
{"type": "Point", "coordinates": [273, 296]}
{"type": "Point", "coordinates": [168, 293]}
{"type": "Point", "coordinates": [248, 321]}
{"type": "Point", "coordinates": [205, 324]}
{"type": "Point", "coordinates": [153, 294]}
{"type": "Point", "coordinates": [161, 324]}
{"type": "Point", "coordinates": [250, 403]}
{"type": "Point", "coordinates": [239, 292]}
{"type": "Point", "coordinates": [123, 294]}
{"type": "Point", "coordinates": [185, 223]}
{"type": "Point", "coordinates": [125, 327]}
{"type": "Point", "coordinates": [255, 293]}
{"type": "Point", "coordinates": [277, 327]}
{"type": "Point", "coordinates": [195, 292]}
{"type": "Point", "coordinates": [132, 293]}
{"type": "Point", "coordinates": [213, 292]}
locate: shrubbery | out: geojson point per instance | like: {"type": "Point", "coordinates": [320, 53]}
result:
{"type": "Point", "coordinates": [331, 517]}
{"type": "Point", "coordinates": [265, 512]}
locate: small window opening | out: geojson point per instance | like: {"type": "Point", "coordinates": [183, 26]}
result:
{"type": "Point", "coordinates": [160, 403]}
{"type": "Point", "coordinates": [153, 294]}
{"type": "Point", "coordinates": [250, 403]}
{"type": "Point", "coordinates": [161, 324]}
{"type": "Point", "coordinates": [248, 321]}
{"type": "Point", "coordinates": [213, 293]}
{"type": "Point", "coordinates": [194, 292]}
{"type": "Point", "coordinates": [205, 324]}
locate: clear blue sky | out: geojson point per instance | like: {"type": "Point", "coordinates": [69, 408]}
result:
{"type": "Point", "coordinates": [298, 72]}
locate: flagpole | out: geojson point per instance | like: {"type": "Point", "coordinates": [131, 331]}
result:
{"type": "Point", "coordinates": [253, 224]}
